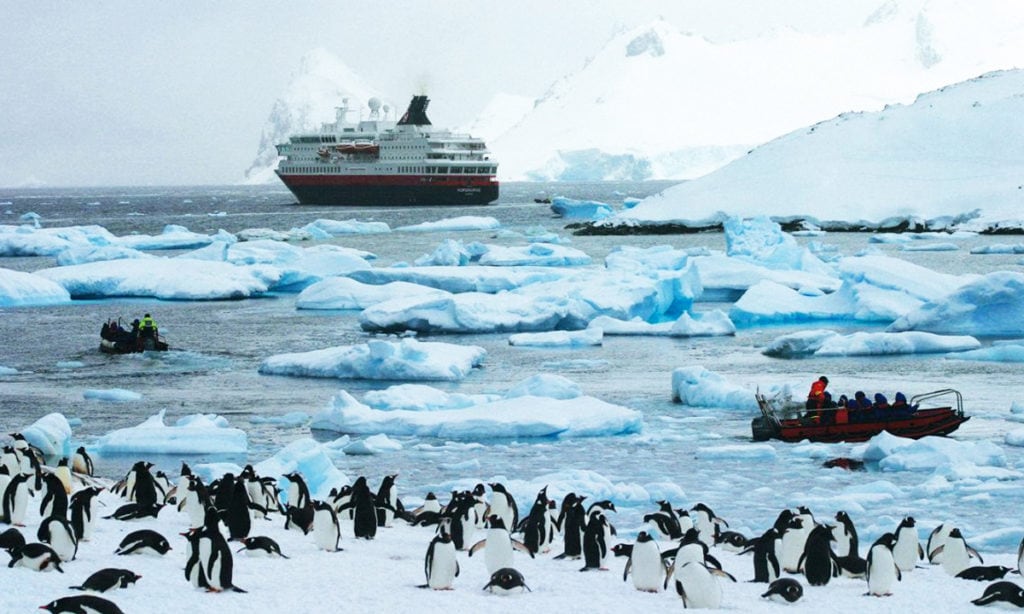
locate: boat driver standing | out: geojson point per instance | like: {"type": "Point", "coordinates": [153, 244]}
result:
{"type": "Point", "coordinates": [816, 397]}
{"type": "Point", "coordinates": [147, 327]}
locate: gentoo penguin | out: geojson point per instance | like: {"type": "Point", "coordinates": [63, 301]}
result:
{"type": "Point", "coordinates": [298, 492]}
{"type": "Point", "coordinates": [595, 548]}
{"type": "Point", "coordinates": [63, 473]}
{"type": "Point", "coordinates": [237, 516]}
{"type": "Point", "coordinates": [193, 499]}
{"type": "Point", "coordinates": [35, 556]}
{"type": "Point", "coordinates": [135, 511]}
{"type": "Point", "coordinates": [82, 604]}
{"type": "Point", "coordinates": [11, 540]}
{"type": "Point", "coordinates": [955, 554]}
{"type": "Point", "coordinates": [326, 530]}
{"type": "Point", "coordinates": [732, 541]}
{"type": "Point", "coordinates": [503, 505]}
{"type": "Point", "coordinates": [57, 532]}
{"type": "Point", "coordinates": [108, 579]}
{"type": "Point", "coordinates": [9, 460]}
{"type": "Point", "coordinates": [882, 572]}
{"type": "Point", "coordinates": [261, 544]}
{"type": "Point", "coordinates": [214, 556]}
{"type": "Point", "coordinates": [935, 539]}
{"type": "Point", "coordinates": [907, 551]}
{"type": "Point", "coordinates": [81, 462]}
{"type": "Point", "coordinates": [81, 512]}
{"type": "Point", "coordinates": [387, 501]}
{"type": "Point", "coordinates": [463, 510]}
{"type": "Point", "coordinates": [706, 523]}
{"type": "Point", "coordinates": [986, 573]}
{"type": "Point", "coordinates": [845, 536]}
{"type": "Point", "coordinates": [1001, 593]}
{"type": "Point", "coordinates": [697, 585]}
{"type": "Point", "coordinates": [537, 533]}
{"type": "Point", "coordinates": [143, 541]}
{"type": "Point", "coordinates": [506, 581]}
{"type": "Point", "coordinates": [15, 500]}
{"type": "Point", "coordinates": [440, 564]}
{"type": "Point", "coordinates": [364, 510]}
{"type": "Point", "coordinates": [766, 563]}
{"type": "Point", "coordinates": [1020, 558]}
{"type": "Point", "coordinates": [646, 564]}
{"type": "Point", "coordinates": [430, 506]}
{"type": "Point", "coordinates": [818, 561]}
{"type": "Point", "coordinates": [141, 486]}
{"type": "Point", "coordinates": [55, 499]}
{"type": "Point", "coordinates": [573, 520]}
{"type": "Point", "coordinates": [665, 520]}
{"type": "Point", "coordinates": [793, 540]}
{"type": "Point", "coordinates": [497, 545]}
{"type": "Point", "coordinates": [784, 590]}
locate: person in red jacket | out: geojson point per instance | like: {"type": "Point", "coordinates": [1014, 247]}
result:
{"type": "Point", "coordinates": [816, 397]}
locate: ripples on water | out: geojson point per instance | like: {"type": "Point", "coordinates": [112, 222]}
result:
{"type": "Point", "coordinates": [221, 343]}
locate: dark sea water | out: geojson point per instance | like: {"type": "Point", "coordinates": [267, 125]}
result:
{"type": "Point", "coordinates": [218, 346]}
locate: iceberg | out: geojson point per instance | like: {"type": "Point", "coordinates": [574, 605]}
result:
{"type": "Point", "coordinates": [50, 434]}
{"type": "Point", "coordinates": [18, 289]}
{"type": "Point", "coordinates": [407, 359]}
{"type": "Point", "coordinates": [195, 434]}
{"type": "Point", "coordinates": [990, 306]}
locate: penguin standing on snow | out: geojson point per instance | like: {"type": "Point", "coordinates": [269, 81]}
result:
{"type": "Point", "coordinates": [706, 522]}
{"type": "Point", "coordinates": [440, 564]}
{"type": "Point", "coordinates": [503, 504]}
{"type": "Point", "coordinates": [766, 563]}
{"type": "Point", "coordinates": [37, 557]}
{"type": "Point", "coordinates": [142, 485]}
{"type": "Point", "coordinates": [793, 540]}
{"type": "Point", "coordinates": [697, 585]}
{"type": "Point", "coordinates": [955, 554]}
{"type": "Point", "coordinates": [595, 548]}
{"type": "Point", "coordinates": [387, 501]}
{"type": "Point", "coordinates": [1002, 593]}
{"type": "Point", "coordinates": [63, 473]}
{"type": "Point", "coordinates": [55, 499]}
{"type": "Point", "coordinates": [646, 564]}
{"type": "Point", "coordinates": [15, 500]}
{"type": "Point", "coordinates": [326, 530]}
{"type": "Point", "coordinates": [81, 512]}
{"type": "Point", "coordinates": [237, 516]}
{"type": "Point", "coordinates": [214, 555]}
{"type": "Point", "coordinates": [882, 572]}
{"type": "Point", "coordinates": [845, 536]}
{"type": "Point", "coordinates": [572, 518]}
{"type": "Point", "coordinates": [498, 545]}
{"type": "Point", "coordinates": [108, 579]}
{"type": "Point", "coordinates": [784, 590]}
{"type": "Point", "coordinates": [261, 544]}
{"type": "Point", "coordinates": [536, 530]}
{"type": "Point", "coordinates": [81, 462]}
{"type": "Point", "coordinates": [81, 604]}
{"type": "Point", "coordinates": [818, 562]}
{"type": "Point", "coordinates": [1020, 558]}
{"type": "Point", "coordinates": [364, 510]}
{"type": "Point", "coordinates": [935, 539]}
{"type": "Point", "coordinates": [907, 551]}
{"type": "Point", "coordinates": [665, 520]}
{"type": "Point", "coordinates": [57, 532]}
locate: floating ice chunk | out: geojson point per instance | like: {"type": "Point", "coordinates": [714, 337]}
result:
{"type": "Point", "coordinates": [698, 387]}
{"type": "Point", "coordinates": [761, 241]}
{"type": "Point", "coordinates": [79, 254]}
{"type": "Point", "coordinates": [452, 253]}
{"type": "Point", "coordinates": [465, 222]}
{"type": "Point", "coordinates": [520, 417]}
{"type": "Point", "coordinates": [707, 324]}
{"type": "Point", "coordinates": [725, 279]}
{"type": "Point", "coordinates": [407, 359]}
{"type": "Point", "coordinates": [580, 209]}
{"type": "Point", "coordinates": [19, 289]}
{"type": "Point", "coordinates": [930, 247]}
{"type": "Point", "coordinates": [420, 397]}
{"type": "Point", "coordinates": [929, 453]}
{"type": "Point", "coordinates": [658, 257]}
{"type": "Point", "coordinates": [881, 344]}
{"type": "Point", "coordinates": [374, 444]}
{"type": "Point", "coordinates": [800, 343]}
{"type": "Point", "coordinates": [165, 278]}
{"type": "Point", "coordinates": [990, 306]}
{"type": "Point", "coordinates": [309, 458]}
{"type": "Point", "coordinates": [999, 248]}
{"type": "Point", "coordinates": [51, 434]}
{"type": "Point", "coordinates": [1009, 351]}
{"type": "Point", "coordinates": [457, 279]}
{"type": "Point", "coordinates": [746, 451]}
{"type": "Point", "coordinates": [196, 434]}
{"type": "Point", "coordinates": [590, 336]}
{"type": "Point", "coordinates": [546, 385]}
{"type": "Point", "coordinates": [114, 395]}
{"type": "Point", "coordinates": [7, 370]}
{"type": "Point", "coordinates": [347, 293]}
{"type": "Point", "coordinates": [332, 228]}
{"type": "Point", "coordinates": [534, 254]}
{"type": "Point", "coordinates": [173, 236]}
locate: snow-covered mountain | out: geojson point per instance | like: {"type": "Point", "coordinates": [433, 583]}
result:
{"type": "Point", "coordinates": [953, 158]}
{"type": "Point", "coordinates": [500, 115]}
{"type": "Point", "coordinates": [319, 86]}
{"type": "Point", "coordinates": [659, 103]}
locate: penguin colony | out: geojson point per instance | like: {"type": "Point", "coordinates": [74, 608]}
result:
{"type": "Point", "coordinates": [674, 552]}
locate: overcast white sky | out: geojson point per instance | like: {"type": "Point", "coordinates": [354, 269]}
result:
{"type": "Point", "coordinates": [162, 93]}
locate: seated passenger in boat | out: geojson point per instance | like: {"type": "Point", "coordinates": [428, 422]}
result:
{"type": "Point", "coordinates": [865, 409]}
{"type": "Point", "coordinates": [900, 407]}
{"type": "Point", "coordinates": [881, 405]}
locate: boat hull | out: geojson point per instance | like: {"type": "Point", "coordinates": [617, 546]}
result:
{"type": "Point", "coordinates": [348, 190]}
{"type": "Point", "coordinates": [921, 423]}
{"type": "Point", "coordinates": [122, 347]}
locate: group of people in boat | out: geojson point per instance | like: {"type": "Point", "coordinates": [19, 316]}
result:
{"type": "Point", "coordinates": [141, 329]}
{"type": "Point", "coordinates": [859, 408]}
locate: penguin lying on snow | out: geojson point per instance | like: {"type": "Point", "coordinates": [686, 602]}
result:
{"type": "Point", "coordinates": [986, 573]}
{"type": "Point", "coordinates": [506, 581]}
{"type": "Point", "coordinates": [1002, 593]}
{"type": "Point", "coordinates": [35, 556]}
{"type": "Point", "coordinates": [261, 544]}
{"type": "Point", "coordinates": [784, 590]}
{"type": "Point", "coordinates": [108, 579]}
{"type": "Point", "coordinates": [143, 540]}
{"type": "Point", "coordinates": [81, 604]}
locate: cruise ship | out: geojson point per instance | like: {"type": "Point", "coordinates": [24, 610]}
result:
{"type": "Point", "coordinates": [378, 161]}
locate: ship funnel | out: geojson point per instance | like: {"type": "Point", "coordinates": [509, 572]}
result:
{"type": "Point", "coordinates": [416, 114]}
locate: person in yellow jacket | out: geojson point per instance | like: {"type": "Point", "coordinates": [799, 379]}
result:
{"type": "Point", "coordinates": [147, 327]}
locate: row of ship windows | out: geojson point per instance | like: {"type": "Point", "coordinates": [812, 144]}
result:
{"type": "Point", "coordinates": [404, 170]}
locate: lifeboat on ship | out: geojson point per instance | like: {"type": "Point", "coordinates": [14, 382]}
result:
{"type": "Point", "coordinates": [835, 424]}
